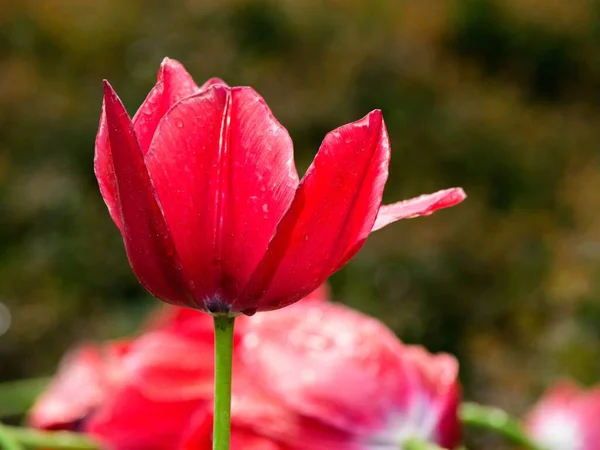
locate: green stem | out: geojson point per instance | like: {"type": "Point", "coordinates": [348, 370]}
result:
{"type": "Point", "coordinates": [496, 420]}
{"type": "Point", "coordinates": [223, 366]}
{"type": "Point", "coordinates": [57, 440]}
{"type": "Point", "coordinates": [7, 440]}
{"type": "Point", "coordinates": [417, 444]}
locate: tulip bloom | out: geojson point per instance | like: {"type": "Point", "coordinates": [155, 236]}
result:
{"type": "Point", "coordinates": [327, 377]}
{"type": "Point", "coordinates": [202, 185]}
{"type": "Point", "coordinates": [566, 418]}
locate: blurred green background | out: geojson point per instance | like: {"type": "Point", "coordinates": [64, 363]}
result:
{"type": "Point", "coordinates": [499, 97]}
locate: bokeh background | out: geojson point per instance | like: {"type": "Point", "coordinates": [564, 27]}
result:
{"type": "Point", "coordinates": [500, 97]}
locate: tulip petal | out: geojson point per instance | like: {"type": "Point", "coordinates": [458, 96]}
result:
{"type": "Point", "coordinates": [159, 366]}
{"type": "Point", "coordinates": [320, 294]}
{"type": "Point", "coordinates": [212, 82]}
{"type": "Point", "coordinates": [173, 84]}
{"type": "Point", "coordinates": [253, 409]}
{"type": "Point", "coordinates": [147, 241]}
{"type": "Point", "coordinates": [129, 420]}
{"type": "Point", "coordinates": [433, 382]}
{"type": "Point", "coordinates": [344, 369]}
{"type": "Point", "coordinates": [223, 171]}
{"type": "Point", "coordinates": [332, 213]}
{"type": "Point", "coordinates": [334, 365]}
{"type": "Point", "coordinates": [105, 172]}
{"type": "Point", "coordinates": [76, 390]}
{"type": "Point", "coordinates": [165, 379]}
{"type": "Point", "coordinates": [198, 436]}
{"type": "Point", "coordinates": [424, 205]}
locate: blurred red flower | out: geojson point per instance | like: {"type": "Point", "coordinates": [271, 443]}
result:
{"type": "Point", "coordinates": [144, 399]}
{"type": "Point", "coordinates": [566, 418]}
{"type": "Point", "coordinates": [325, 376]}
{"type": "Point", "coordinates": [85, 377]}
{"type": "Point", "coordinates": [203, 187]}
{"type": "Point", "coordinates": [314, 376]}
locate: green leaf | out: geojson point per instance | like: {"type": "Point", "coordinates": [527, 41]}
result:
{"type": "Point", "coordinates": [497, 421]}
{"type": "Point", "coordinates": [16, 397]}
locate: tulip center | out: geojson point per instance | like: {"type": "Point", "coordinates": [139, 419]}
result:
{"type": "Point", "coordinates": [217, 305]}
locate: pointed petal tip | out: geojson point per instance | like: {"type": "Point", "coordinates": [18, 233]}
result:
{"type": "Point", "coordinates": [376, 113]}
{"type": "Point", "coordinates": [454, 196]}
{"type": "Point", "coordinates": [169, 63]}
{"type": "Point", "coordinates": [169, 68]}
{"type": "Point", "coordinates": [424, 205]}
{"type": "Point", "coordinates": [109, 92]}
{"type": "Point", "coordinates": [214, 81]}
{"type": "Point", "coordinates": [377, 117]}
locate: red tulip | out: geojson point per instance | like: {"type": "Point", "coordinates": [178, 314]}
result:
{"type": "Point", "coordinates": [203, 188]}
{"type": "Point", "coordinates": [566, 418]}
{"type": "Point", "coordinates": [328, 377]}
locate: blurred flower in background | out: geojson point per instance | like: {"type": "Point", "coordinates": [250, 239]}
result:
{"type": "Point", "coordinates": [324, 376]}
{"type": "Point", "coordinates": [566, 418]}
{"type": "Point", "coordinates": [314, 376]}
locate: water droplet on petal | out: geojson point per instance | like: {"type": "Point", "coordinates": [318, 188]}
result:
{"type": "Point", "coordinates": [179, 123]}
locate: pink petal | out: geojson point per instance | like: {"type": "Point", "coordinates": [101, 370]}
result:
{"type": "Point", "coordinates": [223, 170]}
{"type": "Point", "coordinates": [77, 389]}
{"type": "Point", "coordinates": [347, 370]}
{"type": "Point", "coordinates": [566, 416]}
{"type": "Point", "coordinates": [434, 384]}
{"type": "Point", "coordinates": [181, 321]}
{"type": "Point", "coordinates": [424, 205]}
{"type": "Point", "coordinates": [165, 379]}
{"type": "Point", "coordinates": [328, 362]}
{"type": "Point", "coordinates": [105, 172]}
{"type": "Point", "coordinates": [165, 366]}
{"type": "Point", "coordinates": [147, 241]}
{"type": "Point", "coordinates": [173, 84]}
{"type": "Point", "coordinates": [130, 420]}
{"type": "Point", "coordinates": [320, 294]}
{"type": "Point", "coordinates": [332, 214]}
{"type": "Point", "coordinates": [253, 409]}
{"type": "Point", "coordinates": [213, 82]}
{"type": "Point", "coordinates": [198, 436]}
{"type": "Point", "coordinates": [247, 440]}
